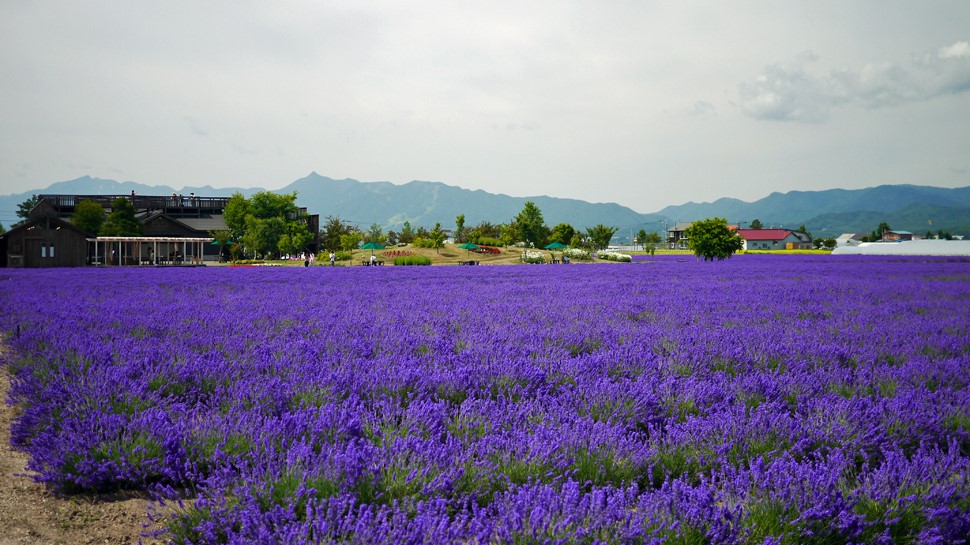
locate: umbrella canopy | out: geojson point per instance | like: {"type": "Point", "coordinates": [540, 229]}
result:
{"type": "Point", "coordinates": [372, 246]}
{"type": "Point", "coordinates": [555, 245]}
{"type": "Point", "coordinates": [468, 246]}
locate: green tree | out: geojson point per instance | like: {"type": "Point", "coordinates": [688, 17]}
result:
{"type": "Point", "coordinates": [234, 213]}
{"type": "Point", "coordinates": [266, 204]}
{"type": "Point", "coordinates": [802, 229]}
{"type": "Point", "coordinates": [332, 231]}
{"type": "Point", "coordinates": [483, 230]}
{"type": "Point", "coordinates": [460, 229]}
{"type": "Point", "coordinates": [263, 235]}
{"type": "Point", "coordinates": [121, 222]}
{"type": "Point", "coordinates": [713, 239]}
{"type": "Point", "coordinates": [530, 227]}
{"type": "Point", "coordinates": [756, 224]}
{"type": "Point", "coordinates": [407, 233]}
{"type": "Point", "coordinates": [24, 208]}
{"type": "Point", "coordinates": [267, 224]}
{"type": "Point", "coordinates": [641, 238]}
{"type": "Point", "coordinates": [437, 237]}
{"type": "Point", "coordinates": [88, 216]}
{"type": "Point", "coordinates": [295, 240]}
{"type": "Point", "coordinates": [562, 233]}
{"type": "Point", "coordinates": [578, 240]}
{"type": "Point", "coordinates": [222, 238]}
{"type": "Point", "coordinates": [350, 241]}
{"type": "Point", "coordinates": [509, 233]}
{"type": "Point", "coordinates": [374, 234]}
{"type": "Point", "coordinates": [879, 232]}
{"type": "Point", "coordinates": [600, 236]}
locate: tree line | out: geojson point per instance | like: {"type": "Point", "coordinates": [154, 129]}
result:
{"type": "Point", "coordinates": [270, 225]}
{"type": "Point", "coordinates": [528, 228]}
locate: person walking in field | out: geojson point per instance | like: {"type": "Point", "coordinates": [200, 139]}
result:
{"type": "Point", "coordinates": [333, 258]}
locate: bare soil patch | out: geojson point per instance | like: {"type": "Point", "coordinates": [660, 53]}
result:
{"type": "Point", "coordinates": [32, 514]}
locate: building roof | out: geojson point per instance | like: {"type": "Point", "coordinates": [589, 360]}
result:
{"type": "Point", "coordinates": [214, 223]}
{"type": "Point", "coordinates": [52, 221]}
{"type": "Point", "coordinates": [912, 247]}
{"type": "Point", "coordinates": [764, 234]}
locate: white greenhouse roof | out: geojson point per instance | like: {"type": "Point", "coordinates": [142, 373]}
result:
{"type": "Point", "coordinates": [909, 247]}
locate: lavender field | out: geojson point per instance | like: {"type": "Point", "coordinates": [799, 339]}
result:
{"type": "Point", "coordinates": [763, 399]}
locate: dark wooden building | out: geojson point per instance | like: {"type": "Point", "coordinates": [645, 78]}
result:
{"type": "Point", "coordinates": [49, 239]}
{"type": "Point", "coordinates": [44, 241]}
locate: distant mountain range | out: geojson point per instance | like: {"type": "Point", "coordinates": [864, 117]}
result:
{"type": "Point", "coordinates": [824, 213]}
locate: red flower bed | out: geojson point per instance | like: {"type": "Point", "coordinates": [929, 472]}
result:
{"type": "Point", "coordinates": [397, 253]}
{"type": "Point", "coordinates": [487, 250]}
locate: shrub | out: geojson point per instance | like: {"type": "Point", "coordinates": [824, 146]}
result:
{"type": "Point", "coordinates": [615, 256]}
{"type": "Point", "coordinates": [576, 253]}
{"type": "Point", "coordinates": [487, 241]}
{"type": "Point", "coordinates": [343, 255]}
{"type": "Point", "coordinates": [533, 257]}
{"type": "Point", "coordinates": [412, 260]}
{"type": "Point", "coordinates": [423, 243]}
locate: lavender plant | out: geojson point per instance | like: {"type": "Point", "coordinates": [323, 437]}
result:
{"type": "Point", "coordinates": [765, 399]}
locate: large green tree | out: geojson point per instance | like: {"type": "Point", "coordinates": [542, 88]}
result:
{"type": "Point", "coordinates": [437, 237]}
{"type": "Point", "coordinates": [460, 229]}
{"type": "Point", "coordinates": [407, 233]}
{"type": "Point", "coordinates": [755, 224]}
{"type": "Point", "coordinates": [530, 227]}
{"type": "Point", "coordinates": [485, 230]}
{"type": "Point", "coordinates": [332, 231]}
{"type": "Point", "coordinates": [88, 216]}
{"type": "Point", "coordinates": [24, 208]}
{"type": "Point", "coordinates": [600, 236]}
{"type": "Point", "coordinates": [267, 224]}
{"type": "Point", "coordinates": [562, 233]}
{"type": "Point", "coordinates": [374, 234]}
{"type": "Point", "coordinates": [121, 222]}
{"type": "Point", "coordinates": [234, 213]}
{"type": "Point", "coordinates": [713, 239]}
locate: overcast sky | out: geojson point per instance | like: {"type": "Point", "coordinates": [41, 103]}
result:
{"type": "Point", "coordinates": [638, 102]}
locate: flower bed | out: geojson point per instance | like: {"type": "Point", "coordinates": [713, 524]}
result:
{"type": "Point", "coordinates": [487, 250]}
{"type": "Point", "coordinates": [614, 256]}
{"type": "Point", "coordinates": [763, 399]}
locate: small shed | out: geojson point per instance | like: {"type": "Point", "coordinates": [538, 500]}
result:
{"type": "Point", "coordinates": [44, 241]}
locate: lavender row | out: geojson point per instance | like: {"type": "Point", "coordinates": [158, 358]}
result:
{"type": "Point", "coordinates": [765, 399]}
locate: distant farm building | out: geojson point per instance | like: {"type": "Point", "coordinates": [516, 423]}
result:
{"type": "Point", "coordinates": [775, 239]}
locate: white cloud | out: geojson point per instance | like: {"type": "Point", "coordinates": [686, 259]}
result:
{"type": "Point", "coordinates": [959, 49]}
{"type": "Point", "coordinates": [793, 93]}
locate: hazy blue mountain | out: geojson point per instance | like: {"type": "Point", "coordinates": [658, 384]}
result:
{"type": "Point", "coordinates": [824, 213]}
{"type": "Point", "coordinates": [426, 203]}
{"type": "Point", "coordinates": [836, 211]}
{"type": "Point", "coordinates": [915, 218]}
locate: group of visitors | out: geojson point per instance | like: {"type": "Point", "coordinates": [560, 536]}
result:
{"type": "Point", "coordinates": [310, 258]}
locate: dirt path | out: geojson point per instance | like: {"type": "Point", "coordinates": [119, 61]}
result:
{"type": "Point", "coordinates": [31, 514]}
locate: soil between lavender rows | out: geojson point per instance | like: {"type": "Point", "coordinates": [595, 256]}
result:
{"type": "Point", "coordinates": [31, 514]}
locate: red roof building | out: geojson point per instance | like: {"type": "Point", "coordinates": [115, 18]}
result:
{"type": "Point", "coordinates": [775, 239]}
